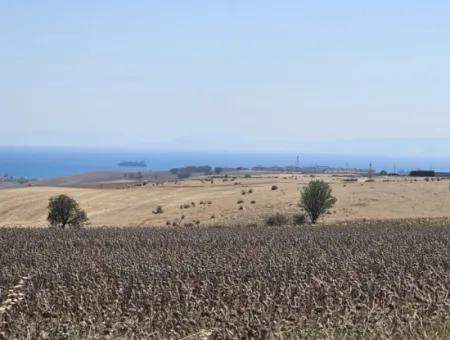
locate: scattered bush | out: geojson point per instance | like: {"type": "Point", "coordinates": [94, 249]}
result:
{"type": "Point", "coordinates": [243, 192]}
{"type": "Point", "coordinates": [240, 201]}
{"type": "Point", "coordinates": [159, 210]}
{"type": "Point", "coordinates": [274, 187]}
{"type": "Point", "coordinates": [277, 219]}
{"type": "Point", "coordinates": [316, 199]}
{"type": "Point", "coordinates": [250, 191]}
{"type": "Point", "coordinates": [247, 176]}
{"type": "Point", "coordinates": [64, 211]}
{"type": "Point", "coordinates": [299, 219]}
{"type": "Point", "coordinates": [253, 202]}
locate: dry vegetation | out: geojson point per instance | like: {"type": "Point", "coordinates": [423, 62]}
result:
{"type": "Point", "coordinates": [377, 280]}
{"type": "Point", "coordinates": [384, 198]}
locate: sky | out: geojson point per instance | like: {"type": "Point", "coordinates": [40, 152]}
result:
{"type": "Point", "coordinates": [319, 76]}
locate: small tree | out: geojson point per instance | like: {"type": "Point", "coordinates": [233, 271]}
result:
{"type": "Point", "coordinates": [64, 211]}
{"type": "Point", "coordinates": [316, 199]}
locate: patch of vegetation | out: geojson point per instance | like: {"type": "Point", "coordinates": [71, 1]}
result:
{"type": "Point", "coordinates": [299, 219]}
{"type": "Point", "coordinates": [64, 211]}
{"type": "Point", "coordinates": [274, 187]}
{"type": "Point", "coordinates": [277, 219]}
{"type": "Point", "coordinates": [159, 210]}
{"type": "Point", "coordinates": [316, 199]}
{"type": "Point", "coordinates": [188, 171]}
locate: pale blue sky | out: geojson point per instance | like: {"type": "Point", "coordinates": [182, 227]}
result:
{"type": "Point", "coordinates": [226, 75]}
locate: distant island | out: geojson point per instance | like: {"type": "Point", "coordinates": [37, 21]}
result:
{"type": "Point", "coordinates": [141, 164]}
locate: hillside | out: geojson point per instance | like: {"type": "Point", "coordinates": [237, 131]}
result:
{"type": "Point", "coordinates": [216, 201]}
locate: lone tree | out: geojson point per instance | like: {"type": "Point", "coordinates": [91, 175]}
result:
{"type": "Point", "coordinates": [64, 211]}
{"type": "Point", "coordinates": [316, 199]}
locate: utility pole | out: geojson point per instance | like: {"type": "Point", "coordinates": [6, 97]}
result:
{"type": "Point", "coordinates": [370, 170]}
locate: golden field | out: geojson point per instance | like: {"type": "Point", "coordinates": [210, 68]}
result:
{"type": "Point", "coordinates": [384, 198]}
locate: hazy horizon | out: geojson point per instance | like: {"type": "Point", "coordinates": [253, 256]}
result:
{"type": "Point", "coordinates": [293, 76]}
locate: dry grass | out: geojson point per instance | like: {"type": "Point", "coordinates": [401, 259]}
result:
{"type": "Point", "coordinates": [134, 206]}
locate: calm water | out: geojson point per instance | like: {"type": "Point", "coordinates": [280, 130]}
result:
{"type": "Point", "coordinates": [55, 162]}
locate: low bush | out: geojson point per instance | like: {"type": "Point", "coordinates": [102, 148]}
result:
{"type": "Point", "coordinates": [159, 210]}
{"type": "Point", "coordinates": [299, 219]}
{"type": "Point", "coordinates": [277, 220]}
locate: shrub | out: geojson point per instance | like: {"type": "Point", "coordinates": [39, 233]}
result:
{"type": "Point", "coordinates": [250, 191]}
{"type": "Point", "coordinates": [243, 192]}
{"type": "Point", "coordinates": [274, 187]}
{"type": "Point", "coordinates": [247, 176]}
{"type": "Point", "coordinates": [277, 220]}
{"type": "Point", "coordinates": [240, 201]}
{"type": "Point", "coordinates": [299, 219]}
{"type": "Point", "coordinates": [253, 202]}
{"type": "Point", "coordinates": [241, 207]}
{"type": "Point", "coordinates": [64, 211]}
{"type": "Point", "coordinates": [159, 210]}
{"type": "Point", "coordinates": [316, 199]}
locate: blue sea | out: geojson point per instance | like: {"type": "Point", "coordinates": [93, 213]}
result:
{"type": "Point", "coordinates": [41, 163]}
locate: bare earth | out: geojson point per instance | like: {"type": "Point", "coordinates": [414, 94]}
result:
{"type": "Point", "coordinates": [385, 198]}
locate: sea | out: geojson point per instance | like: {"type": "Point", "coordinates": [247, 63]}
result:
{"type": "Point", "coordinates": [51, 162]}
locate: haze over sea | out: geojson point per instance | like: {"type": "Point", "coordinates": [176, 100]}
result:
{"type": "Point", "coordinates": [49, 162]}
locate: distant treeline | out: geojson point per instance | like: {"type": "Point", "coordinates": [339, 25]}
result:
{"type": "Point", "coordinates": [12, 179]}
{"type": "Point", "coordinates": [422, 173]}
{"type": "Point", "coordinates": [188, 171]}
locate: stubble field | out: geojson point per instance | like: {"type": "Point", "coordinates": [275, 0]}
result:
{"type": "Point", "coordinates": [216, 202]}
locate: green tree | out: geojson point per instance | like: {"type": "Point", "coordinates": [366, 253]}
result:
{"type": "Point", "coordinates": [316, 199]}
{"type": "Point", "coordinates": [64, 211]}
